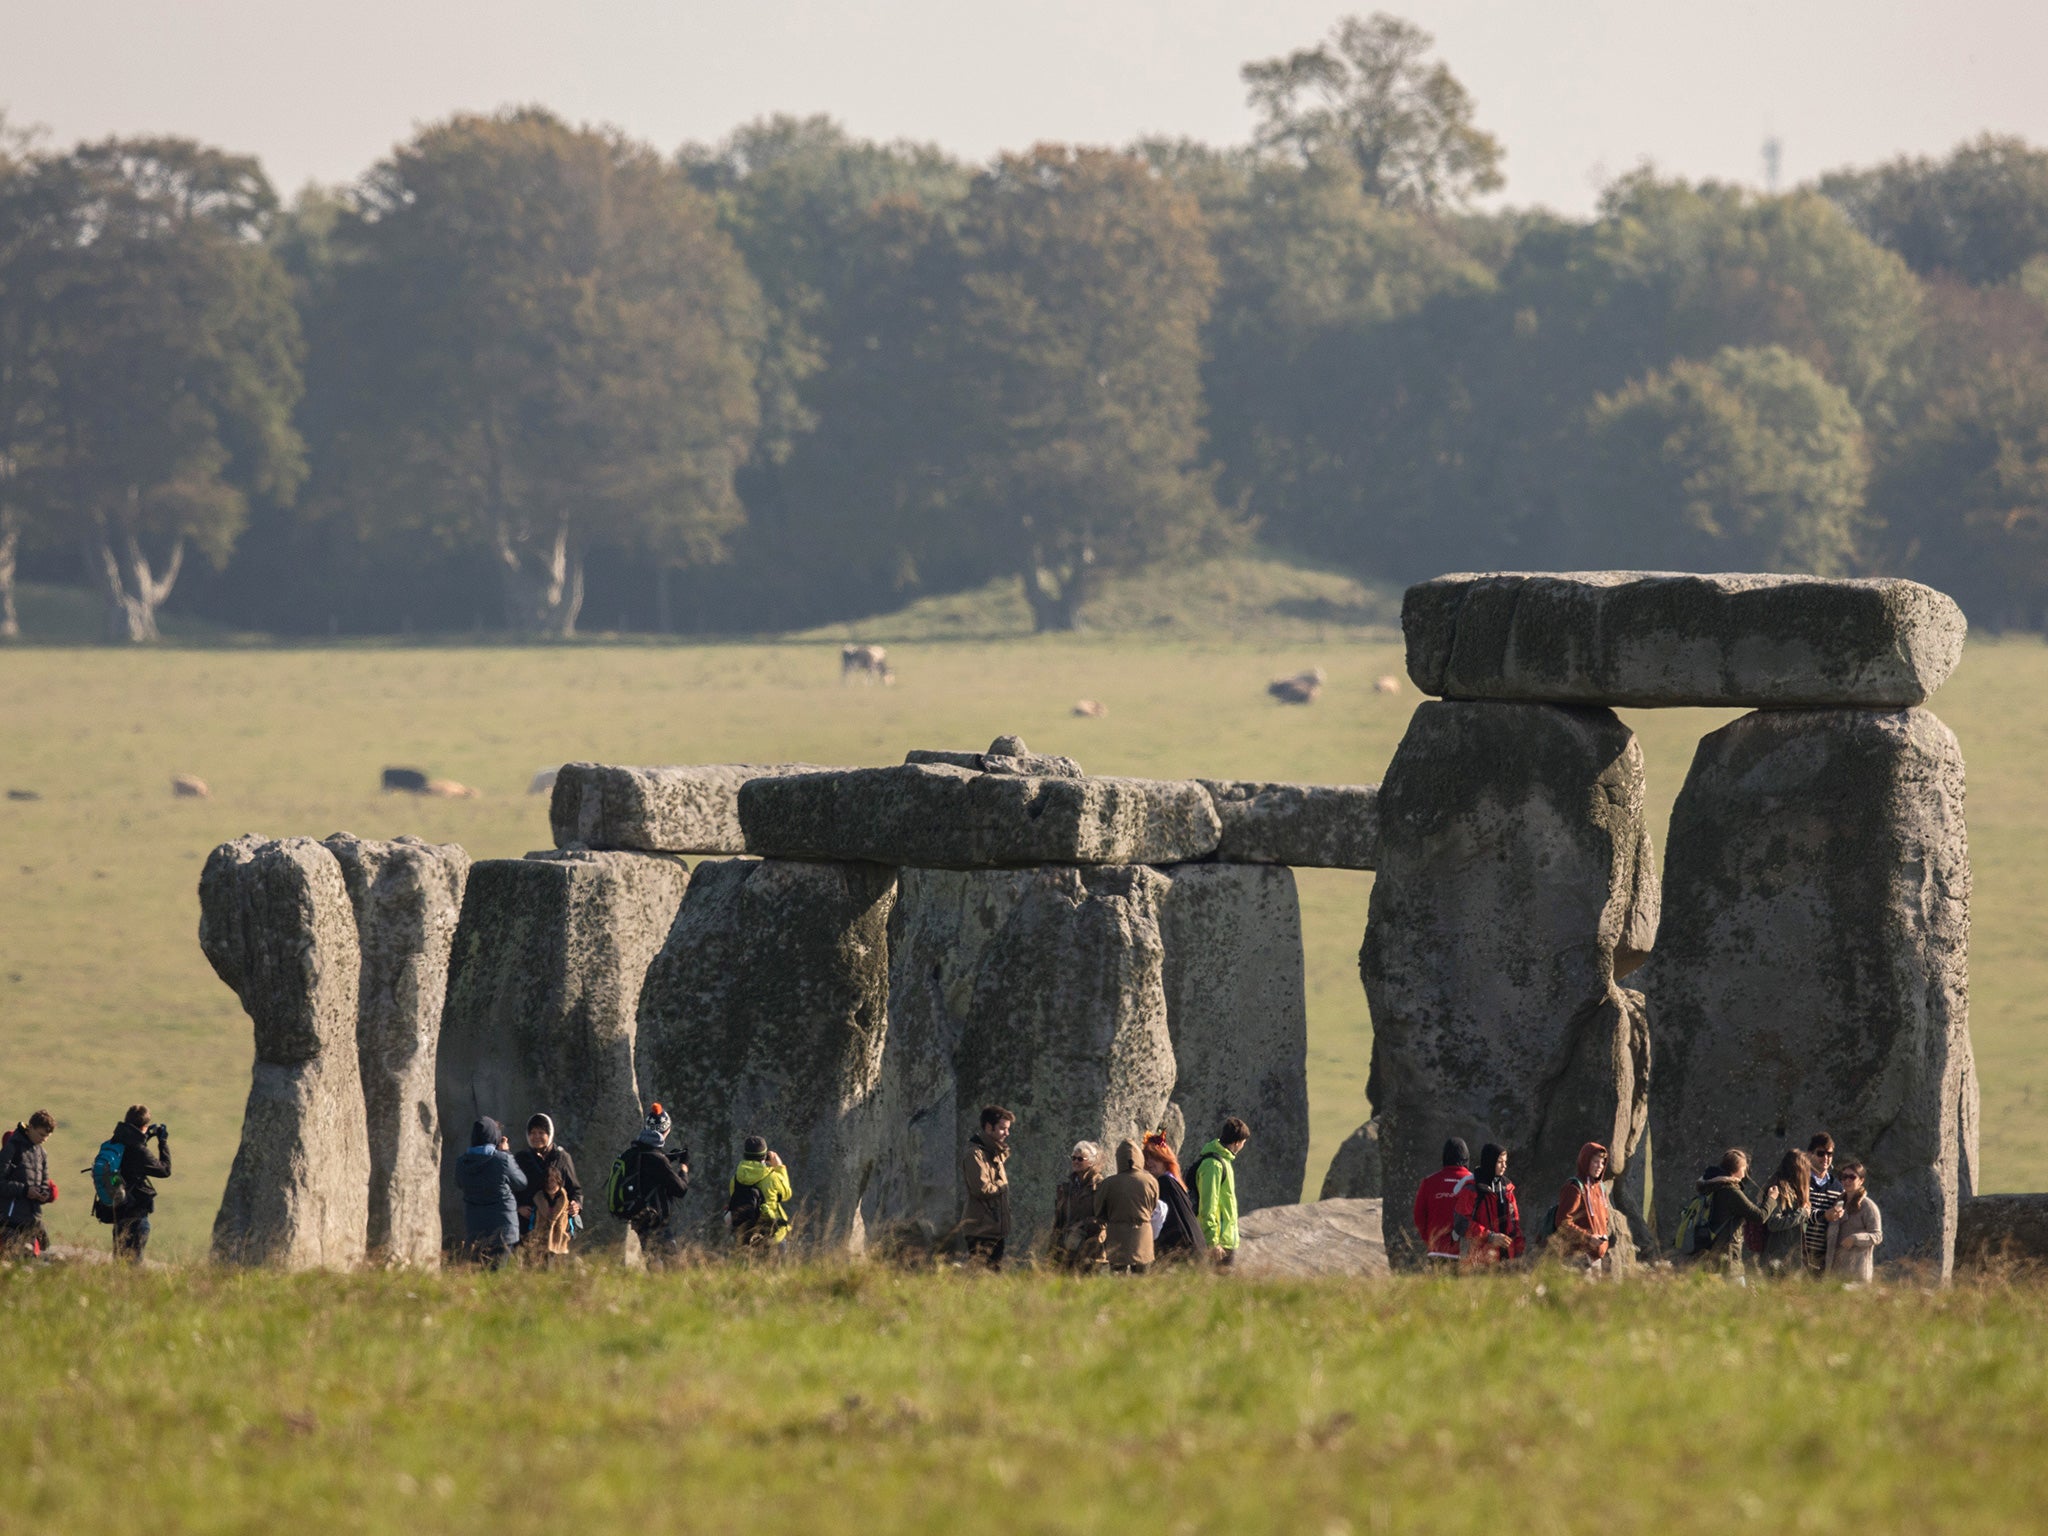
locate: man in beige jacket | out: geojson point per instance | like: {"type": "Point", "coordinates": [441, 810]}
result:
{"type": "Point", "coordinates": [985, 1188]}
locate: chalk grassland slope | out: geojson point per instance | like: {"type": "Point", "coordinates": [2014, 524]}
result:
{"type": "Point", "coordinates": [855, 1400]}
{"type": "Point", "coordinates": [105, 999]}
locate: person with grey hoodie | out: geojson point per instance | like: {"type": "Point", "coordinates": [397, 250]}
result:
{"type": "Point", "coordinates": [491, 1185]}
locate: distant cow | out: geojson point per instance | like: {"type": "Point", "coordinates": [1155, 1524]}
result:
{"type": "Point", "coordinates": [1091, 709]}
{"type": "Point", "coordinates": [1301, 688]}
{"type": "Point", "coordinates": [449, 789]}
{"type": "Point", "coordinates": [870, 662]}
{"type": "Point", "coordinates": [404, 781]}
{"type": "Point", "coordinates": [1387, 684]}
{"type": "Point", "coordinates": [189, 786]}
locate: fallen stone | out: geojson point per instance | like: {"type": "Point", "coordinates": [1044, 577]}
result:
{"type": "Point", "coordinates": [765, 1015]}
{"type": "Point", "coordinates": [406, 896]}
{"type": "Point", "coordinates": [1355, 1170]}
{"type": "Point", "coordinates": [1037, 989]}
{"type": "Point", "coordinates": [655, 810]}
{"type": "Point", "coordinates": [543, 995]}
{"type": "Point", "coordinates": [1515, 884]}
{"type": "Point", "coordinates": [936, 816]}
{"type": "Point", "coordinates": [1996, 1229]}
{"type": "Point", "coordinates": [1006, 754]}
{"type": "Point", "coordinates": [1320, 826]}
{"type": "Point", "coordinates": [1330, 1237]}
{"type": "Point", "coordinates": [275, 923]}
{"type": "Point", "coordinates": [1237, 1014]}
{"type": "Point", "coordinates": [1640, 638]}
{"type": "Point", "coordinates": [1812, 973]}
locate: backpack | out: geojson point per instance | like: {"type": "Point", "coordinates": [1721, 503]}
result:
{"type": "Point", "coordinates": [625, 1196]}
{"type": "Point", "coordinates": [109, 1189]}
{"type": "Point", "coordinates": [1695, 1226]}
{"type": "Point", "coordinates": [1195, 1180]}
{"type": "Point", "coordinates": [744, 1205]}
{"type": "Point", "coordinates": [1549, 1228]}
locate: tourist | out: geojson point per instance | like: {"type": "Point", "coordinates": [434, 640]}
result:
{"type": "Point", "coordinates": [659, 1177]}
{"type": "Point", "coordinates": [1124, 1204]}
{"type": "Point", "coordinates": [1076, 1229]}
{"type": "Point", "coordinates": [1216, 1190]}
{"type": "Point", "coordinates": [25, 1186]}
{"type": "Point", "coordinates": [1788, 1207]}
{"type": "Point", "coordinates": [757, 1197]}
{"type": "Point", "coordinates": [1436, 1203]}
{"type": "Point", "coordinates": [548, 1237]}
{"type": "Point", "coordinates": [491, 1184]}
{"type": "Point", "coordinates": [1729, 1210]}
{"type": "Point", "coordinates": [984, 1227]}
{"type": "Point", "coordinates": [1826, 1198]}
{"type": "Point", "coordinates": [1585, 1223]}
{"type": "Point", "coordinates": [1854, 1237]}
{"type": "Point", "coordinates": [1488, 1225]}
{"type": "Point", "coordinates": [1176, 1231]}
{"type": "Point", "coordinates": [139, 1168]}
{"type": "Point", "coordinates": [540, 1155]}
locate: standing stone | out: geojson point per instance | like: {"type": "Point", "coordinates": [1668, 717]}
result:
{"type": "Point", "coordinates": [406, 895]}
{"type": "Point", "coordinates": [1038, 989]}
{"type": "Point", "coordinates": [1237, 1013]}
{"type": "Point", "coordinates": [1354, 1173]}
{"type": "Point", "coordinates": [655, 810]}
{"type": "Point", "coordinates": [1995, 1230]}
{"type": "Point", "coordinates": [274, 920]}
{"type": "Point", "coordinates": [764, 1015]}
{"type": "Point", "coordinates": [1813, 974]}
{"type": "Point", "coordinates": [1515, 885]}
{"type": "Point", "coordinates": [543, 994]}
{"type": "Point", "coordinates": [1308, 826]}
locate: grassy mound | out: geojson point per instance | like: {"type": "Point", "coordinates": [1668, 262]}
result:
{"type": "Point", "coordinates": [856, 1399]}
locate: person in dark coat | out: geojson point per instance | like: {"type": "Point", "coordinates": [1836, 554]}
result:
{"type": "Point", "coordinates": [1176, 1233]}
{"type": "Point", "coordinates": [535, 1159]}
{"type": "Point", "coordinates": [138, 1167]}
{"type": "Point", "coordinates": [491, 1184]}
{"type": "Point", "coordinates": [1730, 1208]}
{"type": "Point", "coordinates": [25, 1186]}
{"type": "Point", "coordinates": [1076, 1233]}
{"type": "Point", "coordinates": [665, 1178]}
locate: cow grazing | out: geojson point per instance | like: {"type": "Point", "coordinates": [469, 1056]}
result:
{"type": "Point", "coordinates": [449, 789]}
{"type": "Point", "coordinates": [868, 662]}
{"type": "Point", "coordinates": [1301, 688]}
{"type": "Point", "coordinates": [1388, 684]}
{"type": "Point", "coordinates": [1091, 709]}
{"type": "Point", "coordinates": [189, 786]}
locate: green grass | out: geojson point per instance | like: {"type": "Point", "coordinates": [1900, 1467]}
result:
{"type": "Point", "coordinates": [856, 1399]}
{"type": "Point", "coordinates": [105, 999]}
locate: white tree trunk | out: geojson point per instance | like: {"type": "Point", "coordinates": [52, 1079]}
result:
{"type": "Point", "coordinates": [10, 540]}
{"type": "Point", "coordinates": [543, 588]}
{"type": "Point", "coordinates": [132, 589]}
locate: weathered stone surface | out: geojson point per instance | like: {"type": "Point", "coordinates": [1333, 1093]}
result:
{"type": "Point", "coordinates": [1355, 1170]}
{"type": "Point", "coordinates": [1330, 1237]}
{"type": "Point", "coordinates": [1515, 884]}
{"type": "Point", "coordinates": [1997, 1229]}
{"type": "Point", "coordinates": [543, 994]}
{"type": "Point", "coordinates": [406, 896]}
{"type": "Point", "coordinates": [765, 1015]}
{"type": "Point", "coordinates": [275, 922]}
{"type": "Point", "coordinates": [936, 816]}
{"type": "Point", "coordinates": [1647, 638]}
{"type": "Point", "coordinates": [1038, 989]}
{"type": "Point", "coordinates": [1237, 1013]}
{"type": "Point", "coordinates": [1812, 973]}
{"type": "Point", "coordinates": [1320, 826]}
{"type": "Point", "coordinates": [655, 810]}
{"type": "Point", "coordinates": [1006, 754]}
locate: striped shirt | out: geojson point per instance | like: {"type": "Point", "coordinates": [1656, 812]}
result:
{"type": "Point", "coordinates": [1827, 1194]}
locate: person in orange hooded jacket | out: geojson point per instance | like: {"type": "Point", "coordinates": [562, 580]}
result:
{"type": "Point", "coordinates": [1585, 1224]}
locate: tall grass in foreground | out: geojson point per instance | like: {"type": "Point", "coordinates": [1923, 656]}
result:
{"type": "Point", "coordinates": [842, 1398]}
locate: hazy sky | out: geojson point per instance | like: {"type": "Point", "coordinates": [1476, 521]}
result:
{"type": "Point", "coordinates": [1578, 90]}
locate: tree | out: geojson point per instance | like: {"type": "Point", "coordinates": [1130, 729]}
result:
{"type": "Point", "coordinates": [17, 394]}
{"type": "Point", "coordinates": [544, 341]}
{"type": "Point", "coordinates": [1370, 95]}
{"type": "Point", "coordinates": [1749, 460]}
{"type": "Point", "coordinates": [161, 355]}
{"type": "Point", "coordinates": [1979, 215]}
{"type": "Point", "coordinates": [1076, 327]}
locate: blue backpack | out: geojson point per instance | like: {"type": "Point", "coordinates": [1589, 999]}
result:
{"type": "Point", "coordinates": [109, 1189]}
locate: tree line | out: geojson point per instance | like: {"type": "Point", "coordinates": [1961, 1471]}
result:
{"type": "Point", "coordinates": [522, 369]}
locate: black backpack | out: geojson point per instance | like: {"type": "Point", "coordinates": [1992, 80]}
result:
{"type": "Point", "coordinates": [744, 1205]}
{"type": "Point", "coordinates": [626, 1194]}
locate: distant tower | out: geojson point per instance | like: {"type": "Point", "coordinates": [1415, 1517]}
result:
{"type": "Point", "coordinates": [1774, 157]}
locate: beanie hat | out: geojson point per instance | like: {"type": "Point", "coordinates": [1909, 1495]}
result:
{"type": "Point", "coordinates": [658, 1121]}
{"type": "Point", "coordinates": [484, 1133]}
{"type": "Point", "coordinates": [755, 1147]}
{"type": "Point", "coordinates": [1455, 1151]}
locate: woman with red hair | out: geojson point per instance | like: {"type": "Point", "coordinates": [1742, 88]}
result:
{"type": "Point", "coordinates": [1175, 1231]}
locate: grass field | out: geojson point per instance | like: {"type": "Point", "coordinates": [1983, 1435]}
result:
{"type": "Point", "coordinates": [861, 1400]}
{"type": "Point", "coordinates": [105, 999]}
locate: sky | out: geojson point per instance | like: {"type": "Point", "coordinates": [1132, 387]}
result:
{"type": "Point", "coordinates": [1579, 91]}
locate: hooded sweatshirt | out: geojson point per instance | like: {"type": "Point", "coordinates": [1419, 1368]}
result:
{"type": "Point", "coordinates": [1124, 1204]}
{"type": "Point", "coordinates": [775, 1195]}
{"type": "Point", "coordinates": [491, 1184]}
{"type": "Point", "coordinates": [1216, 1195]}
{"type": "Point", "coordinates": [1583, 1222]}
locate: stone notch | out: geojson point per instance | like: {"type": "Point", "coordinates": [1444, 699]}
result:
{"type": "Point", "coordinates": [407, 895]}
{"type": "Point", "coordinates": [1812, 972]}
{"type": "Point", "coordinates": [1515, 885]}
{"type": "Point", "coordinates": [936, 816]}
{"type": "Point", "coordinates": [543, 999]}
{"type": "Point", "coordinates": [655, 810]}
{"type": "Point", "coordinates": [1006, 754]}
{"type": "Point", "coordinates": [1655, 639]}
{"type": "Point", "coordinates": [1237, 1012]}
{"type": "Point", "coordinates": [1310, 826]}
{"type": "Point", "coordinates": [275, 923]}
{"type": "Point", "coordinates": [765, 1015]}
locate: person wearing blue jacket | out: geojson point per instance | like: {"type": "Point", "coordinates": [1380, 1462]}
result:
{"type": "Point", "coordinates": [491, 1185]}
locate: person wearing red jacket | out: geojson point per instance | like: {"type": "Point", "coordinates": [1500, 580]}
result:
{"type": "Point", "coordinates": [1489, 1220]}
{"type": "Point", "coordinates": [1436, 1203]}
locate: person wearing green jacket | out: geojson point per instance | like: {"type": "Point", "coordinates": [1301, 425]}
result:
{"type": "Point", "coordinates": [757, 1199]}
{"type": "Point", "coordinates": [1216, 1189]}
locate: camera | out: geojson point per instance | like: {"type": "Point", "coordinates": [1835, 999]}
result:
{"type": "Point", "coordinates": [160, 1130]}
